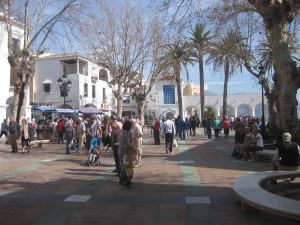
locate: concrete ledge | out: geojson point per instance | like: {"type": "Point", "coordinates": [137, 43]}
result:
{"type": "Point", "coordinates": [265, 154]}
{"type": "Point", "coordinates": [250, 192]}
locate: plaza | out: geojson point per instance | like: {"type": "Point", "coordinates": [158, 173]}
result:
{"type": "Point", "coordinates": [192, 186]}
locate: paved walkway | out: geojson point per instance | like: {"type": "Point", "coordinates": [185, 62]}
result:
{"type": "Point", "coordinates": [191, 187]}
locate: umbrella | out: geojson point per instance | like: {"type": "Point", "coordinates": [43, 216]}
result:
{"type": "Point", "coordinates": [90, 110]}
{"type": "Point", "coordinates": [71, 111]}
{"type": "Point", "coordinates": [45, 108]}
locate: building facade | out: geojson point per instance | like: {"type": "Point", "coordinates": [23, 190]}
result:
{"type": "Point", "coordinates": [8, 74]}
{"type": "Point", "coordinates": [89, 83]}
{"type": "Point", "coordinates": [163, 101]}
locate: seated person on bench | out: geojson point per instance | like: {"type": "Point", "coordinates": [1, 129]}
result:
{"type": "Point", "coordinates": [256, 143]}
{"type": "Point", "coordinates": [287, 157]}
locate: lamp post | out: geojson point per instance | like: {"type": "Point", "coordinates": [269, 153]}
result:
{"type": "Point", "coordinates": [261, 78]}
{"type": "Point", "coordinates": [64, 86]}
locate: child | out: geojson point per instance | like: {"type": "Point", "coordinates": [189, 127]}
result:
{"type": "Point", "coordinates": [94, 154]}
{"type": "Point", "coordinates": [128, 160]}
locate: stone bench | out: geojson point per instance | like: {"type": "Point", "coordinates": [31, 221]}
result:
{"type": "Point", "coordinates": [250, 193]}
{"type": "Point", "coordinates": [264, 155]}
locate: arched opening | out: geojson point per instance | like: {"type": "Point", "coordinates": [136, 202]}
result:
{"type": "Point", "coordinates": [10, 108]}
{"type": "Point", "coordinates": [209, 112]}
{"type": "Point", "coordinates": [170, 115]}
{"type": "Point", "coordinates": [191, 111]}
{"type": "Point", "coordinates": [244, 109]}
{"type": "Point", "coordinates": [258, 110]}
{"type": "Point", "coordinates": [230, 110]}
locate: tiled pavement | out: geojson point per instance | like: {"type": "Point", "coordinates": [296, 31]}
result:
{"type": "Point", "coordinates": [193, 186]}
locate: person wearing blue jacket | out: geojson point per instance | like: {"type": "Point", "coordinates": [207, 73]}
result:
{"type": "Point", "coordinates": [216, 127]}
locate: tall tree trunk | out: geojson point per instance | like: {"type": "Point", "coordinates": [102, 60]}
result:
{"type": "Point", "coordinates": [25, 68]}
{"type": "Point", "coordinates": [140, 111]}
{"type": "Point", "coordinates": [286, 79]}
{"type": "Point", "coordinates": [277, 15]}
{"type": "Point", "coordinates": [226, 78]}
{"type": "Point", "coordinates": [272, 116]}
{"type": "Point", "coordinates": [201, 74]}
{"type": "Point", "coordinates": [119, 97]}
{"type": "Point", "coordinates": [20, 99]}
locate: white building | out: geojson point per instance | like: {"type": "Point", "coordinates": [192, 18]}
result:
{"type": "Point", "coordinates": [89, 83]}
{"type": "Point", "coordinates": [163, 101]}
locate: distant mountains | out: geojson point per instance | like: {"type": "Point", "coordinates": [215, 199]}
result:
{"type": "Point", "coordinates": [213, 93]}
{"type": "Point", "coordinates": [209, 93]}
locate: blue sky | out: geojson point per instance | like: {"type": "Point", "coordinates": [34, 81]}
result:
{"type": "Point", "coordinates": [240, 82]}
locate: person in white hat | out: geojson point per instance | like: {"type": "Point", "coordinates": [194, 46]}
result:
{"type": "Point", "coordinates": [287, 157]}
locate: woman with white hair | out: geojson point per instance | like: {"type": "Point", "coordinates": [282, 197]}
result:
{"type": "Point", "coordinates": [286, 157]}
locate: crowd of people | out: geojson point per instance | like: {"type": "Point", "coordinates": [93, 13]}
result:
{"type": "Point", "coordinates": [124, 137]}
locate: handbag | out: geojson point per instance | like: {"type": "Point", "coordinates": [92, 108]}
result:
{"type": "Point", "coordinates": [175, 145]}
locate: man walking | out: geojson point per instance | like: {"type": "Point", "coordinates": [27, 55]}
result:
{"type": "Point", "coordinates": [170, 132]}
{"type": "Point", "coordinates": [80, 134]}
{"type": "Point", "coordinates": [14, 131]}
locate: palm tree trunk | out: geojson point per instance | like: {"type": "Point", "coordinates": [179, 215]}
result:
{"type": "Point", "coordinates": [179, 92]}
{"type": "Point", "coordinates": [226, 78]}
{"type": "Point", "coordinates": [201, 75]}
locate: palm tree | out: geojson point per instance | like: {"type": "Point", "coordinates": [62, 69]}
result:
{"type": "Point", "coordinates": [225, 54]}
{"type": "Point", "coordinates": [200, 41]}
{"type": "Point", "coordinates": [178, 54]}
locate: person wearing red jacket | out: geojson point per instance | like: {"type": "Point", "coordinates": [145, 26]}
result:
{"type": "Point", "coordinates": [60, 131]}
{"type": "Point", "coordinates": [156, 131]}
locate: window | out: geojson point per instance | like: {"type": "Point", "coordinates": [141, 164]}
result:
{"type": "Point", "coordinates": [16, 44]}
{"type": "Point", "coordinates": [169, 94]}
{"type": "Point", "coordinates": [93, 91]}
{"type": "Point", "coordinates": [126, 99]}
{"type": "Point", "coordinates": [85, 90]}
{"type": "Point", "coordinates": [103, 75]}
{"type": "Point", "coordinates": [104, 94]}
{"type": "Point", "coordinates": [47, 88]}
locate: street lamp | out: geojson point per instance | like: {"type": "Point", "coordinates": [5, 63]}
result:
{"type": "Point", "coordinates": [261, 79]}
{"type": "Point", "coordinates": [64, 86]}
